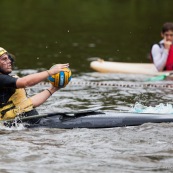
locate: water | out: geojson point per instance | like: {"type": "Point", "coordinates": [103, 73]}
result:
{"type": "Point", "coordinates": [43, 32]}
{"type": "Point", "coordinates": [145, 148]}
{"type": "Point", "coordinates": [49, 31]}
{"type": "Point", "coordinates": [134, 149]}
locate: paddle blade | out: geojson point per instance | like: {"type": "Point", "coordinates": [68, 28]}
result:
{"type": "Point", "coordinates": [157, 78]}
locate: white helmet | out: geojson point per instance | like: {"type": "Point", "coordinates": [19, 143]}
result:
{"type": "Point", "coordinates": [2, 51]}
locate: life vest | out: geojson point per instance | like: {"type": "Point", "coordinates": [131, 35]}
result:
{"type": "Point", "coordinates": [169, 62]}
{"type": "Point", "coordinates": [17, 104]}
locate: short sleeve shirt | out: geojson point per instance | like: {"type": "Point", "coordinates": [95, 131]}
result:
{"type": "Point", "coordinates": [7, 88]}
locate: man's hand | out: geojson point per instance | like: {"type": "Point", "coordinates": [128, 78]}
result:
{"type": "Point", "coordinates": [57, 68]}
{"type": "Point", "coordinates": [167, 44]}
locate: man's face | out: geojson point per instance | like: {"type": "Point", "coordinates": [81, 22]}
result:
{"type": "Point", "coordinates": [5, 64]}
{"type": "Point", "coordinates": [168, 35]}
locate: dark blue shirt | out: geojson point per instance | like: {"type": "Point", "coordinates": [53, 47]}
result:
{"type": "Point", "coordinates": [7, 88]}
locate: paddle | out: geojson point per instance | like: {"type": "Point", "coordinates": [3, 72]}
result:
{"type": "Point", "coordinates": [79, 113]}
{"type": "Point", "coordinates": [161, 77]}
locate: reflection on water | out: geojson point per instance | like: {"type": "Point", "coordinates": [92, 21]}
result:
{"type": "Point", "coordinates": [74, 31]}
{"type": "Point", "coordinates": [82, 95]}
{"type": "Point", "coordinates": [125, 149]}
{"type": "Point", "coordinates": [143, 148]}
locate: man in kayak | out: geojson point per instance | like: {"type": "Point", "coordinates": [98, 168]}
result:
{"type": "Point", "coordinates": [162, 53]}
{"type": "Point", "coordinates": [13, 98]}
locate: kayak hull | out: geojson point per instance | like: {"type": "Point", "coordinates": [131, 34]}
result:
{"type": "Point", "coordinates": [101, 120]}
{"type": "Point", "coordinates": [121, 67]}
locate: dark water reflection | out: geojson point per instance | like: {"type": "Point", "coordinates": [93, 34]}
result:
{"type": "Point", "coordinates": [44, 32]}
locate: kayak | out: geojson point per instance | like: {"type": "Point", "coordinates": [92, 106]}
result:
{"type": "Point", "coordinates": [97, 119]}
{"type": "Point", "coordinates": [121, 67]}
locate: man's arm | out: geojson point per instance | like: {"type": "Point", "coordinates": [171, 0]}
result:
{"type": "Point", "coordinates": [159, 57]}
{"type": "Point", "coordinates": [40, 98]}
{"type": "Point", "coordinates": [34, 79]}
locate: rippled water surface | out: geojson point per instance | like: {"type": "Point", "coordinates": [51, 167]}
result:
{"type": "Point", "coordinates": [145, 148]}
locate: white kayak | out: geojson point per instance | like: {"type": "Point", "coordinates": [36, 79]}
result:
{"type": "Point", "coordinates": [121, 67]}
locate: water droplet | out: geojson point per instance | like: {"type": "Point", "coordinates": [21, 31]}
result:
{"type": "Point", "coordinates": [92, 45]}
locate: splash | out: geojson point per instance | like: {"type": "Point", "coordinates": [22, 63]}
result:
{"type": "Point", "coordinates": [161, 108]}
{"type": "Point", "coordinates": [15, 125]}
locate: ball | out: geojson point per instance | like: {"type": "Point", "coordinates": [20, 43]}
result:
{"type": "Point", "coordinates": [61, 79]}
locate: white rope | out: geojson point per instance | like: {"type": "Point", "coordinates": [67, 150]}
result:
{"type": "Point", "coordinates": [116, 84]}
